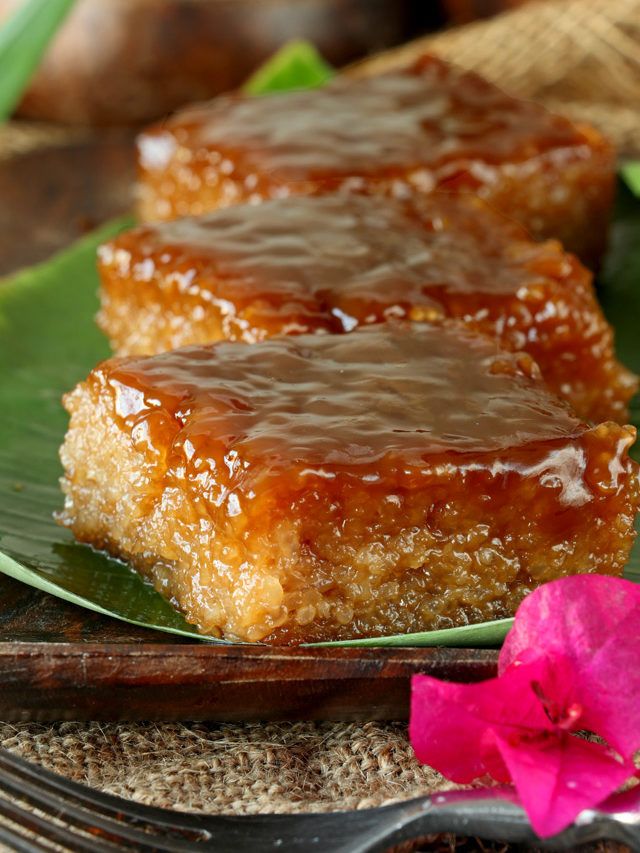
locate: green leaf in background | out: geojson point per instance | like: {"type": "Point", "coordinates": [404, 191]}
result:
{"type": "Point", "coordinates": [297, 65]}
{"type": "Point", "coordinates": [631, 175]}
{"type": "Point", "coordinates": [23, 40]}
{"type": "Point", "coordinates": [48, 342]}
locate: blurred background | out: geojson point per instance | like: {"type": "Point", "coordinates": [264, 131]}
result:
{"type": "Point", "coordinates": [114, 65]}
{"type": "Point", "coordinates": [129, 61]}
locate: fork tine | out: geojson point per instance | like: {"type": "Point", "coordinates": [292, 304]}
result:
{"type": "Point", "coordinates": [52, 792]}
{"type": "Point", "coordinates": [148, 828]}
{"type": "Point", "coordinates": [16, 841]}
{"type": "Point", "coordinates": [133, 826]}
{"type": "Point", "coordinates": [102, 817]}
{"type": "Point", "coordinates": [44, 829]}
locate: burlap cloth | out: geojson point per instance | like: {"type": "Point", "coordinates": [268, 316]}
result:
{"type": "Point", "coordinates": [580, 57]}
{"type": "Point", "coordinates": [244, 769]}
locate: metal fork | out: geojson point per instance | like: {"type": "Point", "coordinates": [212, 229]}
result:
{"type": "Point", "coordinates": [41, 811]}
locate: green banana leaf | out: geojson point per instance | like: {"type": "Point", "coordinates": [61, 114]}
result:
{"type": "Point", "coordinates": [48, 342]}
{"type": "Point", "coordinates": [630, 172]}
{"type": "Point", "coordinates": [297, 65]}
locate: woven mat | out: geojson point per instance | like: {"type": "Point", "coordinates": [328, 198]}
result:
{"type": "Point", "coordinates": [240, 769]}
{"type": "Point", "coordinates": [580, 58]}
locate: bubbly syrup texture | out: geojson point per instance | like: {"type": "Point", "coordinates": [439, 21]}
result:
{"type": "Point", "coordinates": [348, 255]}
{"type": "Point", "coordinates": [333, 263]}
{"type": "Point", "coordinates": [408, 132]}
{"type": "Point", "coordinates": [382, 398]}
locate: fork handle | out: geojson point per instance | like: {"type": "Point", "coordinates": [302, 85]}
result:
{"type": "Point", "coordinates": [496, 814]}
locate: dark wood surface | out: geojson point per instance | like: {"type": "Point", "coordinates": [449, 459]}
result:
{"type": "Point", "coordinates": [50, 197]}
{"type": "Point", "coordinates": [101, 681]}
{"type": "Point", "coordinates": [60, 661]}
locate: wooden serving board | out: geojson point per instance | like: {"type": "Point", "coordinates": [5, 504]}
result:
{"type": "Point", "coordinates": [59, 661]}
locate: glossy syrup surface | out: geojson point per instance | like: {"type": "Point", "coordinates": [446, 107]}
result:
{"type": "Point", "coordinates": [426, 115]}
{"type": "Point", "coordinates": [350, 256]}
{"type": "Point", "coordinates": [335, 262]}
{"type": "Point", "coordinates": [382, 400]}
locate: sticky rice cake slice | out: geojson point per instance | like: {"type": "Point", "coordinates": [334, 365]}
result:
{"type": "Point", "coordinates": [330, 263]}
{"type": "Point", "coordinates": [320, 487]}
{"type": "Point", "coordinates": [412, 130]}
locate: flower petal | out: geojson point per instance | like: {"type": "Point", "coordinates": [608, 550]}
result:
{"type": "Point", "coordinates": [453, 726]}
{"type": "Point", "coordinates": [558, 777]}
{"type": "Point", "coordinates": [593, 622]}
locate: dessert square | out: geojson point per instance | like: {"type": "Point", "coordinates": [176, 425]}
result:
{"type": "Point", "coordinates": [322, 487]}
{"type": "Point", "coordinates": [409, 131]}
{"type": "Point", "coordinates": [332, 263]}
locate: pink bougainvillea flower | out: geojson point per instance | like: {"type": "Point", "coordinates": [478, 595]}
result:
{"type": "Point", "coordinates": [569, 665]}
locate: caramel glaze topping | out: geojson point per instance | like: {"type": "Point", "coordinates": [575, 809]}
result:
{"type": "Point", "coordinates": [388, 403]}
{"type": "Point", "coordinates": [335, 262]}
{"type": "Point", "coordinates": [429, 115]}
